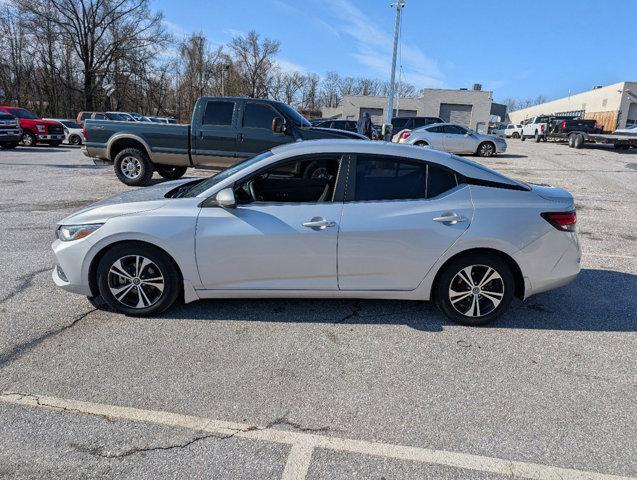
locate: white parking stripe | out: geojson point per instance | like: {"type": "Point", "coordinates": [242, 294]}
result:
{"type": "Point", "coordinates": [609, 255]}
{"type": "Point", "coordinates": [304, 443]}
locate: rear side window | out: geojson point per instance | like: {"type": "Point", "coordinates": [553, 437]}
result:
{"type": "Point", "coordinates": [389, 179]}
{"type": "Point", "coordinates": [256, 115]}
{"type": "Point", "coordinates": [438, 129]}
{"type": "Point", "coordinates": [439, 181]}
{"type": "Point", "coordinates": [218, 113]}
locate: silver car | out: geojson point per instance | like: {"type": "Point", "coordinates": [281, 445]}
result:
{"type": "Point", "coordinates": [452, 138]}
{"type": "Point", "coordinates": [326, 219]}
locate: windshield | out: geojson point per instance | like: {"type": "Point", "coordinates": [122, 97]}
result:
{"type": "Point", "coordinates": [296, 118]}
{"type": "Point", "coordinates": [211, 181]}
{"type": "Point", "coordinates": [70, 124]}
{"type": "Point", "coordinates": [22, 113]}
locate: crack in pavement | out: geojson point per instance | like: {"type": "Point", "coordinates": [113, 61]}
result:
{"type": "Point", "coordinates": [19, 350]}
{"type": "Point", "coordinates": [353, 314]}
{"type": "Point", "coordinates": [26, 281]}
{"type": "Point", "coordinates": [297, 426]}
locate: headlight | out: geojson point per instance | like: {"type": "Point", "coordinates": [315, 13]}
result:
{"type": "Point", "coordinates": [67, 233]}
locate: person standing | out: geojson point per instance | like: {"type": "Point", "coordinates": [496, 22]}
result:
{"type": "Point", "coordinates": [364, 125]}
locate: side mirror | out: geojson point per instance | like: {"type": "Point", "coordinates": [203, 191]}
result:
{"type": "Point", "coordinates": [225, 198]}
{"type": "Point", "coordinates": [278, 125]}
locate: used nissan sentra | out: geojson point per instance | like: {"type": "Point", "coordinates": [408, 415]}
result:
{"type": "Point", "coordinates": [371, 220]}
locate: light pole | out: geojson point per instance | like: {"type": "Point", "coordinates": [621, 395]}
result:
{"type": "Point", "coordinates": [399, 5]}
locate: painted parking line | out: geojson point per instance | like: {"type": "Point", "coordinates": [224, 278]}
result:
{"type": "Point", "coordinates": [303, 444]}
{"type": "Point", "coordinates": [608, 255]}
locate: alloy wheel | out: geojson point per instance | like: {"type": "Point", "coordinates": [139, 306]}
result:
{"type": "Point", "coordinates": [27, 140]}
{"type": "Point", "coordinates": [476, 290]}
{"type": "Point", "coordinates": [486, 150]}
{"type": "Point", "coordinates": [135, 281]}
{"type": "Point", "coordinates": [131, 167]}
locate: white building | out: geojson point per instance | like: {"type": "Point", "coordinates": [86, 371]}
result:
{"type": "Point", "coordinates": [613, 106]}
{"type": "Point", "coordinates": [471, 108]}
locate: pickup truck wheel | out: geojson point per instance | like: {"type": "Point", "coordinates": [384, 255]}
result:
{"type": "Point", "coordinates": [537, 137]}
{"type": "Point", "coordinates": [571, 140]}
{"type": "Point", "coordinates": [28, 139]}
{"type": "Point", "coordinates": [578, 141]}
{"type": "Point", "coordinates": [170, 173]}
{"type": "Point", "coordinates": [133, 167]}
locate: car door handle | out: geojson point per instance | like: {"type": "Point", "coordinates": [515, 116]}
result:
{"type": "Point", "coordinates": [319, 223]}
{"type": "Point", "coordinates": [450, 218]}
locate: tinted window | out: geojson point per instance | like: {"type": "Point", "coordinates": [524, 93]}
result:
{"type": "Point", "coordinates": [421, 122]}
{"type": "Point", "coordinates": [438, 129]}
{"type": "Point", "coordinates": [218, 113]}
{"type": "Point", "coordinates": [256, 115]}
{"type": "Point", "coordinates": [85, 115]}
{"type": "Point", "coordinates": [455, 130]}
{"type": "Point", "coordinates": [99, 116]}
{"type": "Point", "coordinates": [389, 179]}
{"type": "Point", "coordinates": [439, 181]}
{"type": "Point", "coordinates": [71, 124]}
{"type": "Point", "coordinates": [399, 124]}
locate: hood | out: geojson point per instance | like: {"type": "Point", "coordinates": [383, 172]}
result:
{"type": "Point", "coordinates": [315, 133]}
{"type": "Point", "coordinates": [126, 203]}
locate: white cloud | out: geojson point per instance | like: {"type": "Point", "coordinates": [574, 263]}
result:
{"type": "Point", "coordinates": [374, 46]}
{"type": "Point", "coordinates": [289, 67]}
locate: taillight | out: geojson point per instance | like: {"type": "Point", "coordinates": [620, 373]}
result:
{"type": "Point", "coordinates": [542, 128]}
{"type": "Point", "coordinates": [405, 135]}
{"type": "Point", "coordinates": [564, 221]}
{"type": "Point", "coordinates": [84, 132]}
{"type": "Point", "coordinates": [563, 124]}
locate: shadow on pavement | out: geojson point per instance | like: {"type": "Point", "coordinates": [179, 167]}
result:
{"type": "Point", "coordinates": [510, 155]}
{"type": "Point", "coordinates": [42, 149]}
{"type": "Point", "coordinates": [598, 300]}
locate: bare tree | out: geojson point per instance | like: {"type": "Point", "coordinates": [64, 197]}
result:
{"type": "Point", "coordinates": [255, 62]}
{"type": "Point", "coordinates": [331, 90]}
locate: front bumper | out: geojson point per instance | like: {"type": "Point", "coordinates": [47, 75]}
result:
{"type": "Point", "coordinates": [68, 273]}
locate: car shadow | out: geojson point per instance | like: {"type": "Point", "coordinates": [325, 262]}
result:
{"type": "Point", "coordinates": [59, 149]}
{"type": "Point", "coordinates": [598, 300]}
{"type": "Point", "coordinates": [510, 155]}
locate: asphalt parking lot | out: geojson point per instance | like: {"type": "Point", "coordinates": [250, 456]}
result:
{"type": "Point", "coordinates": [319, 389]}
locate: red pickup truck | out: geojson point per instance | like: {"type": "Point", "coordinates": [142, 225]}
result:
{"type": "Point", "coordinates": [34, 129]}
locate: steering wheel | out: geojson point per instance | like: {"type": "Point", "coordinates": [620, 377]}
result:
{"type": "Point", "coordinates": [253, 194]}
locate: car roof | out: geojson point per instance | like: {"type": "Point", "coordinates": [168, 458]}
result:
{"type": "Point", "coordinates": [461, 165]}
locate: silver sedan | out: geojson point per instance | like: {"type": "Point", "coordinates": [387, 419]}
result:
{"type": "Point", "coordinates": [452, 138]}
{"type": "Point", "coordinates": [326, 219]}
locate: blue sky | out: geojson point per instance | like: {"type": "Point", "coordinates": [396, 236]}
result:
{"type": "Point", "coordinates": [517, 49]}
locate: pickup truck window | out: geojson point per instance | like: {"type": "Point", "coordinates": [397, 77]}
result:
{"type": "Point", "coordinates": [218, 113]}
{"type": "Point", "coordinates": [22, 113]}
{"type": "Point", "coordinates": [257, 115]}
{"type": "Point", "coordinates": [296, 118]}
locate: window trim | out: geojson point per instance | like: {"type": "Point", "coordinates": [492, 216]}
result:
{"type": "Point", "coordinates": [339, 186]}
{"type": "Point", "coordinates": [350, 187]}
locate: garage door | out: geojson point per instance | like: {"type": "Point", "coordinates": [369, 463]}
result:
{"type": "Point", "coordinates": [632, 114]}
{"type": "Point", "coordinates": [456, 113]}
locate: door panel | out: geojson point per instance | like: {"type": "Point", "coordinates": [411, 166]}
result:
{"type": "Point", "coordinates": [215, 139]}
{"type": "Point", "coordinates": [266, 246]}
{"type": "Point", "coordinates": [256, 133]}
{"type": "Point", "coordinates": [391, 245]}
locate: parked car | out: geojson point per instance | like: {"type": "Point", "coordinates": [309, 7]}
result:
{"type": "Point", "coordinates": [349, 125]}
{"type": "Point", "coordinates": [10, 131]}
{"type": "Point", "coordinates": [72, 130]}
{"type": "Point", "coordinates": [508, 131]}
{"type": "Point", "coordinates": [535, 127]}
{"type": "Point", "coordinates": [400, 223]}
{"type": "Point", "coordinates": [34, 129]}
{"type": "Point", "coordinates": [453, 138]}
{"type": "Point", "coordinates": [224, 131]}
{"type": "Point", "coordinates": [411, 123]}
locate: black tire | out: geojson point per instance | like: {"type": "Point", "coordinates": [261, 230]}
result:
{"type": "Point", "coordinates": [170, 173]}
{"type": "Point", "coordinates": [422, 143]}
{"type": "Point", "coordinates": [571, 140]}
{"type": "Point", "coordinates": [28, 139]}
{"type": "Point", "coordinates": [75, 140]}
{"type": "Point", "coordinates": [486, 149]}
{"type": "Point", "coordinates": [522, 137]}
{"type": "Point", "coordinates": [154, 300]}
{"type": "Point", "coordinates": [8, 145]}
{"type": "Point", "coordinates": [133, 167]}
{"type": "Point", "coordinates": [515, 135]}
{"type": "Point", "coordinates": [449, 280]}
{"type": "Point", "coordinates": [578, 141]}
{"type": "Point", "coordinates": [537, 137]}
{"type": "Point", "coordinates": [98, 302]}
{"type": "Point", "coordinates": [621, 146]}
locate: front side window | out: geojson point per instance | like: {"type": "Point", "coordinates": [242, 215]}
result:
{"type": "Point", "coordinates": [307, 180]}
{"type": "Point", "coordinates": [455, 130]}
{"type": "Point", "coordinates": [256, 115]}
{"type": "Point", "coordinates": [218, 113]}
{"type": "Point", "coordinates": [389, 179]}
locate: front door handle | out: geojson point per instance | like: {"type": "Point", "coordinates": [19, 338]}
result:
{"type": "Point", "coordinates": [450, 217]}
{"type": "Point", "coordinates": [319, 223]}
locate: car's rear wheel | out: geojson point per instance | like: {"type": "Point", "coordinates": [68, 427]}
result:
{"type": "Point", "coordinates": [475, 289]}
{"type": "Point", "coordinates": [75, 140]}
{"type": "Point", "coordinates": [138, 279]}
{"type": "Point", "coordinates": [170, 173]}
{"type": "Point", "coordinates": [422, 143]}
{"type": "Point", "coordinates": [28, 139]}
{"type": "Point", "coordinates": [515, 135]}
{"type": "Point", "coordinates": [133, 167]}
{"type": "Point", "coordinates": [486, 149]}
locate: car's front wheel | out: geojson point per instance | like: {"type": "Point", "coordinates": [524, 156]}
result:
{"type": "Point", "coordinates": [475, 289]}
{"type": "Point", "coordinates": [138, 279]}
{"type": "Point", "coordinates": [28, 139]}
{"type": "Point", "coordinates": [486, 149]}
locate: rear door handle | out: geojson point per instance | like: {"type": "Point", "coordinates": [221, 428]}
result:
{"type": "Point", "coordinates": [450, 217]}
{"type": "Point", "coordinates": [319, 223]}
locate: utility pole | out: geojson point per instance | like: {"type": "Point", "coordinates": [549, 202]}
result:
{"type": "Point", "coordinates": [392, 85]}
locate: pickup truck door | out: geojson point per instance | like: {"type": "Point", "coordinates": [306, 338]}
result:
{"type": "Point", "coordinates": [214, 135]}
{"type": "Point", "coordinates": [255, 132]}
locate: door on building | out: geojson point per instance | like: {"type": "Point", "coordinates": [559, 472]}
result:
{"type": "Point", "coordinates": [632, 114]}
{"type": "Point", "coordinates": [456, 113]}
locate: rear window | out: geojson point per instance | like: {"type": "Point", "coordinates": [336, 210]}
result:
{"type": "Point", "coordinates": [389, 179]}
{"type": "Point", "coordinates": [421, 122]}
{"type": "Point", "coordinates": [218, 113]}
{"type": "Point", "coordinates": [439, 181]}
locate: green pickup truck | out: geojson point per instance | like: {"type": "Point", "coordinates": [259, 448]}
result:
{"type": "Point", "coordinates": [224, 131]}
